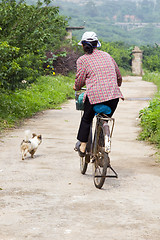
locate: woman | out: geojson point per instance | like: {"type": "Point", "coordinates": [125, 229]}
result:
{"type": "Point", "coordinates": [99, 72]}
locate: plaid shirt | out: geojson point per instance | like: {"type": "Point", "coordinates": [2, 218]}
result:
{"type": "Point", "coordinates": [101, 75]}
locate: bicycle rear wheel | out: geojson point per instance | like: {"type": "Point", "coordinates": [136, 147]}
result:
{"type": "Point", "coordinates": [102, 161]}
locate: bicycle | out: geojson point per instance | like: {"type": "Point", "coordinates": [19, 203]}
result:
{"type": "Point", "coordinates": [98, 146]}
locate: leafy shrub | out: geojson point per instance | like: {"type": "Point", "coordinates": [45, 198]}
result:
{"type": "Point", "coordinates": [8, 64]}
{"type": "Point", "coordinates": [152, 63]}
{"type": "Point", "coordinates": [16, 70]}
{"type": "Point", "coordinates": [150, 122]}
{"type": "Point", "coordinates": [151, 55]}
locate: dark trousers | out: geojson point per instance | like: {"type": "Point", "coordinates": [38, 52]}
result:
{"type": "Point", "coordinates": [88, 116]}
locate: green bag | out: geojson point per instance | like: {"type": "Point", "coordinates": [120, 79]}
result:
{"type": "Point", "coordinates": [79, 102]}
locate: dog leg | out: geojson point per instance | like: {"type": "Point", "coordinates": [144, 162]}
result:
{"type": "Point", "coordinates": [23, 155]}
{"type": "Point", "coordinates": [32, 153]}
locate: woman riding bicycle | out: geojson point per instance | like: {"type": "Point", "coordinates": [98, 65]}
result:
{"type": "Point", "coordinates": [99, 72]}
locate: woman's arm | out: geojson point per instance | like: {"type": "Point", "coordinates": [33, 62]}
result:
{"type": "Point", "coordinates": [80, 75]}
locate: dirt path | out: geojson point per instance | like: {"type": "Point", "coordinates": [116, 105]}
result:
{"type": "Point", "coordinates": [46, 198]}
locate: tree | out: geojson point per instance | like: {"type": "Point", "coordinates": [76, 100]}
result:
{"type": "Point", "coordinates": [33, 30]}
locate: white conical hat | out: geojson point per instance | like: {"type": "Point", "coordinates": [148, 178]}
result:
{"type": "Point", "coordinates": [90, 37]}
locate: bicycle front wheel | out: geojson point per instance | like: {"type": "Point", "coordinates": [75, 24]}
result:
{"type": "Point", "coordinates": [84, 163]}
{"type": "Point", "coordinates": [102, 161]}
{"type": "Point", "coordinates": [85, 160]}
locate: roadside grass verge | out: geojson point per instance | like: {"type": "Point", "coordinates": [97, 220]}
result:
{"type": "Point", "coordinates": [152, 77]}
{"type": "Point", "coordinates": [150, 116]}
{"type": "Point", "coordinates": [47, 93]}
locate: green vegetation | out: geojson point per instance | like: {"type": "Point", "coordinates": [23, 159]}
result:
{"type": "Point", "coordinates": [150, 116]}
{"type": "Point", "coordinates": [47, 92]}
{"type": "Point", "coordinates": [151, 55]}
{"type": "Point", "coordinates": [26, 34]}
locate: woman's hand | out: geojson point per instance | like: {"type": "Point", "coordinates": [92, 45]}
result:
{"type": "Point", "coordinates": [119, 81]}
{"type": "Point", "coordinates": [74, 88]}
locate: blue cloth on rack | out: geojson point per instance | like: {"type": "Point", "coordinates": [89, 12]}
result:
{"type": "Point", "coordinates": [101, 108]}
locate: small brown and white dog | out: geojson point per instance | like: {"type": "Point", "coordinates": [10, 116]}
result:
{"type": "Point", "coordinates": [30, 145]}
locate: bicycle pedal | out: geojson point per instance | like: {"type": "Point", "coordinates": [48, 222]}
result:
{"type": "Point", "coordinates": [107, 150]}
{"type": "Point", "coordinates": [77, 146]}
{"type": "Point", "coordinates": [75, 149]}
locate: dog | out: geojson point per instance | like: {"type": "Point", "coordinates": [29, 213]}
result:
{"type": "Point", "coordinates": [30, 145]}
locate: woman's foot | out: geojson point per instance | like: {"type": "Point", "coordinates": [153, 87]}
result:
{"type": "Point", "coordinates": [81, 148]}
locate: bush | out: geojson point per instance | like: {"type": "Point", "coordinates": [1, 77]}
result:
{"type": "Point", "coordinates": [151, 55]}
{"type": "Point", "coordinates": [150, 122]}
{"type": "Point", "coordinates": [8, 65]}
{"type": "Point", "coordinates": [16, 70]}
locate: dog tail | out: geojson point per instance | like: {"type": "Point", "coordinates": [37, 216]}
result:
{"type": "Point", "coordinates": [27, 134]}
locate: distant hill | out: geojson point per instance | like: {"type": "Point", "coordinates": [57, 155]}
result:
{"type": "Point", "coordinates": [134, 22]}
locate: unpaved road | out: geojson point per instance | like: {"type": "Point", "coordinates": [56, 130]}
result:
{"type": "Point", "coordinates": [46, 198]}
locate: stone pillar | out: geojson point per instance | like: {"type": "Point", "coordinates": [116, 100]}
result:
{"type": "Point", "coordinates": [137, 61]}
{"type": "Point", "coordinates": [69, 34]}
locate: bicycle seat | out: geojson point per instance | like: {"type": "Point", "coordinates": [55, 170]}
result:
{"type": "Point", "coordinates": [101, 108]}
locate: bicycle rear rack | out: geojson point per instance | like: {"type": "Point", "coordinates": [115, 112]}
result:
{"type": "Point", "coordinates": [104, 117]}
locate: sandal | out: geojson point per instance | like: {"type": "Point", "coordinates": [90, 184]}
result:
{"type": "Point", "coordinates": [81, 154]}
{"type": "Point", "coordinates": [77, 148]}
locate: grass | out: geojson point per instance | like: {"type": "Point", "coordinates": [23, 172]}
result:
{"type": "Point", "coordinates": [47, 93]}
{"type": "Point", "coordinates": [150, 116]}
{"type": "Point", "coordinates": [152, 77]}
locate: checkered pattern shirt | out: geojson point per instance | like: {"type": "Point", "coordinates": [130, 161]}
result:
{"type": "Point", "coordinates": [101, 75]}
